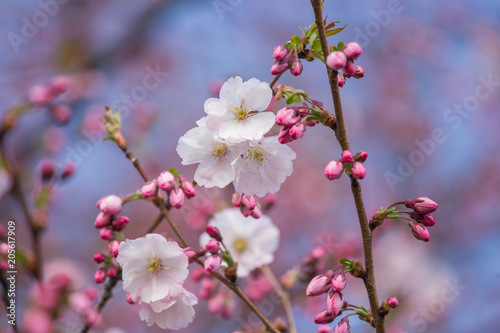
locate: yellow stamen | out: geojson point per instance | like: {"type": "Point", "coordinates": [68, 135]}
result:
{"type": "Point", "coordinates": [240, 244]}
{"type": "Point", "coordinates": [154, 265]}
{"type": "Point", "coordinates": [219, 151]}
{"type": "Point", "coordinates": [240, 113]}
{"type": "Point", "coordinates": [257, 155]}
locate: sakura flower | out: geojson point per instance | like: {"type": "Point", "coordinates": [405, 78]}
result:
{"type": "Point", "coordinates": [216, 156]}
{"type": "Point", "coordinates": [171, 312]}
{"type": "Point", "coordinates": [235, 113]}
{"type": "Point", "coordinates": [266, 165]}
{"type": "Point", "coordinates": [251, 242]}
{"type": "Point", "coordinates": [152, 267]}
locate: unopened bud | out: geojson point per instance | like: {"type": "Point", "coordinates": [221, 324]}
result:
{"type": "Point", "coordinates": [359, 73]}
{"type": "Point", "coordinates": [419, 231]}
{"type": "Point", "coordinates": [284, 135]}
{"type": "Point", "coordinates": [425, 219]}
{"type": "Point", "coordinates": [214, 233]}
{"type": "Point", "coordinates": [280, 52]}
{"type": "Point", "coordinates": [256, 212]}
{"type": "Point", "coordinates": [340, 79]}
{"type": "Point", "coordinates": [176, 198]}
{"type": "Point", "coordinates": [237, 199]}
{"type": "Point", "coordinates": [334, 303]}
{"type": "Point", "coordinates": [113, 248]}
{"type": "Point", "coordinates": [120, 222]}
{"type": "Point", "coordinates": [165, 180]}
{"type": "Point", "coordinates": [286, 117]}
{"type": "Point", "coordinates": [336, 60]}
{"type": "Point", "coordinates": [334, 170]}
{"type": "Point", "coordinates": [338, 282]}
{"type": "Point", "coordinates": [150, 189]}
{"type": "Point", "coordinates": [346, 156]}
{"type": "Point", "coordinates": [324, 317]}
{"type": "Point", "coordinates": [358, 170]}
{"type": "Point", "coordinates": [342, 327]}
{"type": "Point", "coordinates": [249, 201]}
{"type": "Point", "coordinates": [361, 156]}
{"type": "Point", "coordinates": [353, 50]}
{"type": "Point", "coordinates": [279, 68]}
{"type": "Point", "coordinates": [188, 188]}
{"type": "Point", "coordinates": [296, 67]}
{"type": "Point", "coordinates": [212, 246]}
{"type": "Point", "coordinates": [422, 205]}
{"type": "Point", "coordinates": [99, 257]}
{"type": "Point", "coordinates": [106, 233]}
{"type": "Point", "coordinates": [213, 263]}
{"type": "Point", "coordinates": [99, 276]}
{"type": "Point", "coordinates": [297, 131]}
{"type": "Point", "coordinates": [319, 285]}
{"type": "Point", "coordinates": [111, 205]}
{"type": "Point", "coordinates": [349, 69]}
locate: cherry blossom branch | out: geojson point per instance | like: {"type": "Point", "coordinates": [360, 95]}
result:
{"type": "Point", "coordinates": [283, 295]}
{"type": "Point", "coordinates": [18, 194]}
{"type": "Point", "coordinates": [369, 278]}
{"type": "Point", "coordinates": [161, 205]}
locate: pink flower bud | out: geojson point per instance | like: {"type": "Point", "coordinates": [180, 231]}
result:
{"type": "Point", "coordinates": [249, 201]}
{"type": "Point", "coordinates": [212, 263]}
{"type": "Point", "coordinates": [280, 52]}
{"type": "Point", "coordinates": [99, 257]}
{"type": "Point", "coordinates": [336, 60]}
{"type": "Point", "coordinates": [256, 212]}
{"type": "Point", "coordinates": [129, 299]}
{"type": "Point", "coordinates": [419, 231]}
{"type": "Point", "coordinates": [212, 246]}
{"type": "Point", "coordinates": [237, 199]}
{"type": "Point", "coordinates": [91, 293]}
{"type": "Point", "coordinates": [176, 198]}
{"type": "Point", "coordinates": [102, 220]}
{"type": "Point", "coordinates": [113, 248]}
{"type": "Point", "coordinates": [353, 50]}
{"type": "Point", "coordinates": [99, 276]}
{"type": "Point", "coordinates": [284, 135]}
{"type": "Point", "coordinates": [216, 303]}
{"type": "Point", "coordinates": [188, 188]}
{"type": "Point", "coordinates": [425, 219]}
{"type": "Point", "coordinates": [340, 79]}
{"type": "Point", "coordinates": [334, 303]}
{"type": "Point", "coordinates": [359, 73]}
{"type": "Point", "coordinates": [165, 180]}
{"type": "Point", "coordinates": [319, 285]}
{"type": "Point", "coordinates": [324, 329]}
{"type": "Point", "coordinates": [279, 68]}
{"type": "Point", "coordinates": [296, 67]}
{"type": "Point", "coordinates": [361, 156]}
{"type": "Point", "coordinates": [40, 94]}
{"type": "Point", "coordinates": [111, 272]}
{"type": "Point", "coordinates": [324, 317]}
{"type": "Point", "coordinates": [422, 205]}
{"type": "Point", "coordinates": [245, 211]}
{"type": "Point", "coordinates": [61, 113]}
{"type": "Point", "coordinates": [286, 117]}
{"type": "Point", "coordinates": [346, 156]}
{"type": "Point", "coordinates": [60, 84]}
{"type": "Point", "coordinates": [111, 204]}
{"type": "Point", "coordinates": [393, 302]}
{"type": "Point", "coordinates": [120, 222]}
{"type": "Point", "coordinates": [318, 252]}
{"type": "Point", "coordinates": [68, 170]}
{"type": "Point", "coordinates": [150, 189]}
{"type": "Point", "coordinates": [350, 68]}
{"type": "Point", "coordinates": [343, 326]}
{"type": "Point", "coordinates": [106, 233]}
{"type": "Point", "coordinates": [297, 131]}
{"type": "Point", "coordinates": [191, 253]}
{"type": "Point", "coordinates": [47, 169]}
{"type": "Point", "coordinates": [334, 170]}
{"type": "Point", "coordinates": [92, 317]}
{"type": "Point", "coordinates": [214, 233]}
{"type": "Point", "coordinates": [358, 170]}
{"type": "Point", "coordinates": [338, 282]}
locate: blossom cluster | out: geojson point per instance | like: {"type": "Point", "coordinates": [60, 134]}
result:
{"type": "Point", "coordinates": [286, 58]}
{"type": "Point", "coordinates": [230, 144]}
{"type": "Point", "coordinates": [349, 162]}
{"type": "Point", "coordinates": [177, 187]}
{"type": "Point", "coordinates": [154, 271]}
{"type": "Point", "coordinates": [343, 59]}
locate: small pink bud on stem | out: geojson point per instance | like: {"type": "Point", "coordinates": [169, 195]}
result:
{"type": "Point", "coordinates": [336, 60]}
{"type": "Point", "coordinates": [334, 170]}
{"type": "Point", "coordinates": [150, 189]}
{"type": "Point", "coordinates": [419, 231]}
{"type": "Point", "coordinates": [280, 52]}
{"type": "Point", "coordinates": [393, 302]}
{"type": "Point", "coordinates": [343, 326]}
{"type": "Point", "coordinates": [249, 201]}
{"type": "Point", "coordinates": [346, 156]}
{"type": "Point", "coordinates": [324, 317]}
{"type": "Point", "coordinates": [213, 263]}
{"type": "Point", "coordinates": [236, 199]}
{"type": "Point", "coordinates": [165, 180]}
{"type": "Point", "coordinates": [319, 285]}
{"type": "Point", "coordinates": [286, 117]}
{"type": "Point", "coordinates": [353, 50]}
{"type": "Point", "coordinates": [212, 246]}
{"type": "Point", "coordinates": [422, 205]}
{"type": "Point", "coordinates": [214, 233]}
{"type": "Point", "coordinates": [99, 276]}
{"type": "Point", "coordinates": [334, 303]}
{"type": "Point", "coordinates": [113, 248]}
{"type": "Point", "coordinates": [176, 198]}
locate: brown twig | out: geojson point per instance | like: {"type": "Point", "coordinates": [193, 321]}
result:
{"type": "Point", "coordinates": [369, 279]}
{"type": "Point", "coordinates": [18, 194]}
{"type": "Point", "coordinates": [283, 295]}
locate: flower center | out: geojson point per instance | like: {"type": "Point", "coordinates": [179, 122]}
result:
{"type": "Point", "coordinates": [219, 151]}
{"type": "Point", "coordinates": [240, 113]}
{"type": "Point", "coordinates": [154, 265]}
{"type": "Point", "coordinates": [257, 155]}
{"type": "Point", "coordinates": [240, 244]}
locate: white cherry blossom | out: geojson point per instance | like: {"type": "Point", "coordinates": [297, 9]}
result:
{"type": "Point", "coordinates": [152, 268]}
{"type": "Point", "coordinates": [265, 166]}
{"type": "Point", "coordinates": [235, 114]}
{"type": "Point", "coordinates": [252, 242]}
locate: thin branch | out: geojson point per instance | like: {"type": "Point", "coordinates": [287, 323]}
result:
{"type": "Point", "coordinates": [283, 295]}
{"type": "Point", "coordinates": [369, 279]}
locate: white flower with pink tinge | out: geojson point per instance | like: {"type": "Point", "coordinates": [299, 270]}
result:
{"type": "Point", "coordinates": [235, 114]}
{"type": "Point", "coordinates": [171, 312]}
{"type": "Point", "coordinates": [265, 167]}
{"type": "Point", "coordinates": [152, 268]}
{"type": "Point", "coordinates": [218, 159]}
{"type": "Point", "coordinates": [251, 242]}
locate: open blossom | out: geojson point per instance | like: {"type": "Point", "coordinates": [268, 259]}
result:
{"type": "Point", "coordinates": [217, 158]}
{"type": "Point", "coordinates": [251, 242]}
{"type": "Point", "coordinates": [171, 312]}
{"type": "Point", "coordinates": [265, 167]}
{"type": "Point", "coordinates": [235, 113]}
{"type": "Point", "coordinates": [152, 267]}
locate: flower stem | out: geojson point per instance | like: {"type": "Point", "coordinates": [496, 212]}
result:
{"type": "Point", "coordinates": [283, 295]}
{"type": "Point", "coordinates": [369, 278]}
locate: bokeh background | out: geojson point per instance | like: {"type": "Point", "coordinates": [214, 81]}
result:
{"type": "Point", "coordinates": [427, 68]}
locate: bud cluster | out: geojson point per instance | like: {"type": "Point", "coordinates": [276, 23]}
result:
{"type": "Point", "coordinates": [177, 188]}
{"type": "Point", "coordinates": [353, 164]}
{"type": "Point", "coordinates": [343, 59]}
{"type": "Point", "coordinates": [421, 219]}
{"type": "Point", "coordinates": [249, 205]}
{"type": "Point", "coordinates": [286, 58]}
